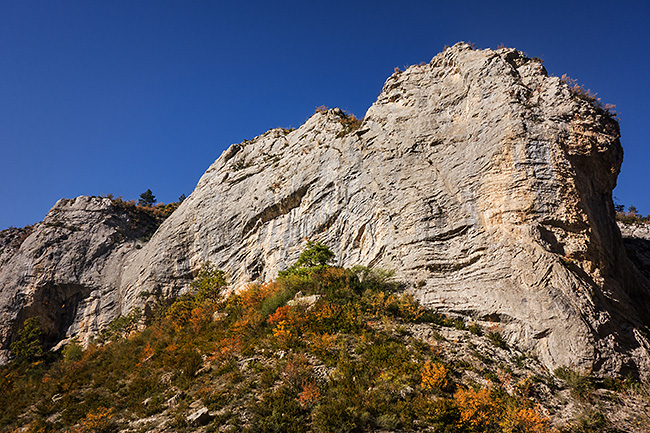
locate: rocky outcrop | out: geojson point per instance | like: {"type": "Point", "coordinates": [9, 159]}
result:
{"type": "Point", "coordinates": [476, 177]}
{"type": "Point", "coordinates": [67, 269]}
{"type": "Point", "coordinates": [636, 239]}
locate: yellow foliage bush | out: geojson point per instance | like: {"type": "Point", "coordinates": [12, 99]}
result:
{"type": "Point", "coordinates": [477, 408]}
{"type": "Point", "coordinates": [180, 311]}
{"type": "Point", "coordinates": [482, 410]}
{"type": "Point", "coordinates": [434, 376]}
{"type": "Point", "coordinates": [98, 421]}
{"type": "Point", "coordinates": [525, 420]}
{"type": "Point", "coordinates": [282, 333]}
{"type": "Point", "coordinates": [323, 344]}
{"type": "Point", "coordinates": [410, 309]}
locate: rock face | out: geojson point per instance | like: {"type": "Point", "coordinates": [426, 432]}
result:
{"type": "Point", "coordinates": [66, 270]}
{"type": "Point", "coordinates": [636, 239]}
{"type": "Point", "coordinates": [477, 178]}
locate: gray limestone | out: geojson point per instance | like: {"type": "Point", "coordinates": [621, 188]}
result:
{"type": "Point", "coordinates": [480, 180]}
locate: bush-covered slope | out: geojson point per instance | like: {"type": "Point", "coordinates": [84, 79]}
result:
{"type": "Point", "coordinates": [321, 349]}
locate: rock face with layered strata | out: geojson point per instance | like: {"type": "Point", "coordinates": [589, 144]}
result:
{"type": "Point", "coordinates": [477, 178]}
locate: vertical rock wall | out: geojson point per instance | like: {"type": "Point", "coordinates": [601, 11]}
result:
{"type": "Point", "coordinates": [478, 178]}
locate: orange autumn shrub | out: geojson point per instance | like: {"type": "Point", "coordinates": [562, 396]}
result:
{"type": "Point", "coordinates": [280, 315]}
{"type": "Point", "coordinates": [324, 317]}
{"type": "Point", "coordinates": [525, 420]}
{"type": "Point", "coordinates": [477, 408]}
{"type": "Point", "coordinates": [434, 376]}
{"type": "Point", "coordinates": [297, 371]}
{"type": "Point", "coordinates": [309, 395]}
{"type": "Point", "coordinates": [200, 318]}
{"type": "Point", "coordinates": [227, 347]}
{"type": "Point", "coordinates": [252, 297]}
{"type": "Point", "coordinates": [147, 354]}
{"type": "Point", "coordinates": [97, 421]}
{"type": "Point", "coordinates": [323, 345]}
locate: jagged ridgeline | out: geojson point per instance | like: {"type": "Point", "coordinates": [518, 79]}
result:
{"type": "Point", "coordinates": [481, 181]}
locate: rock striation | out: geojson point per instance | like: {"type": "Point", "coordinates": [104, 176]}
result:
{"type": "Point", "coordinates": [482, 181]}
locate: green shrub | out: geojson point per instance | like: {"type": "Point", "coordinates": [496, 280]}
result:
{"type": "Point", "coordinates": [208, 284]}
{"type": "Point", "coordinates": [579, 384]}
{"type": "Point", "coordinates": [497, 339]}
{"type": "Point", "coordinates": [277, 299]}
{"type": "Point", "coordinates": [590, 421]}
{"type": "Point", "coordinates": [120, 327]}
{"type": "Point", "coordinates": [72, 351]}
{"type": "Point", "coordinates": [180, 312]}
{"type": "Point", "coordinates": [279, 411]}
{"type": "Point", "coordinates": [190, 361]}
{"type": "Point", "coordinates": [475, 329]}
{"type": "Point", "coordinates": [29, 346]}
{"type": "Point", "coordinates": [314, 258]}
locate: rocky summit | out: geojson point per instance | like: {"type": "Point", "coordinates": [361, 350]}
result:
{"type": "Point", "coordinates": [484, 183]}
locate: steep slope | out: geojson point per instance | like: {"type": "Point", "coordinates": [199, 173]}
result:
{"type": "Point", "coordinates": [477, 178]}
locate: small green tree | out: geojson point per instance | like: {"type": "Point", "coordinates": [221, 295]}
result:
{"type": "Point", "coordinates": [72, 351]}
{"type": "Point", "coordinates": [206, 288]}
{"type": "Point", "coordinates": [315, 257]}
{"type": "Point", "coordinates": [29, 346]}
{"type": "Point", "coordinates": [633, 210]}
{"type": "Point", "coordinates": [147, 198]}
{"type": "Point", "coordinates": [208, 283]}
{"type": "Point", "coordinates": [618, 206]}
{"type": "Point", "coordinates": [182, 198]}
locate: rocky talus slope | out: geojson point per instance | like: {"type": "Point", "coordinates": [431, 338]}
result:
{"type": "Point", "coordinates": [482, 181]}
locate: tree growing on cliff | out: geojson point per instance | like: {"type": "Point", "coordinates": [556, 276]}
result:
{"type": "Point", "coordinates": [147, 198]}
{"type": "Point", "coordinates": [315, 257]}
{"type": "Point", "coordinates": [29, 346]}
{"type": "Point", "coordinates": [633, 210]}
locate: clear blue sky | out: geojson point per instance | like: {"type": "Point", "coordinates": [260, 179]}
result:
{"type": "Point", "coordinates": [101, 97]}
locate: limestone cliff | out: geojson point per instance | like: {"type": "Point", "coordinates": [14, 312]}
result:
{"type": "Point", "coordinates": [480, 180]}
{"type": "Point", "coordinates": [67, 269]}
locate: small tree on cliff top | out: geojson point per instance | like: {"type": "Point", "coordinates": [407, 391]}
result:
{"type": "Point", "coordinates": [147, 198]}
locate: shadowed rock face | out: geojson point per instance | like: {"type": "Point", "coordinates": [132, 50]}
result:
{"type": "Point", "coordinates": [476, 177]}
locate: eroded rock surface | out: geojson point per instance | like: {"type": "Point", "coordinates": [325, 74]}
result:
{"type": "Point", "coordinates": [478, 178]}
{"type": "Point", "coordinates": [67, 269]}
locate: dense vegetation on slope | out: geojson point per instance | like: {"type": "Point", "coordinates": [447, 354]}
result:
{"type": "Point", "coordinates": [322, 349]}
